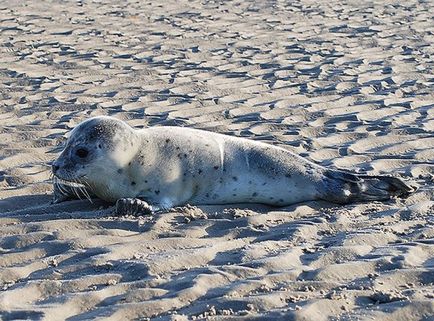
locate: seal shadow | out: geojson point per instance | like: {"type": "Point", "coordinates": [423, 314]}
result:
{"type": "Point", "coordinates": [223, 222]}
{"type": "Point", "coordinates": [15, 203]}
{"type": "Point", "coordinates": [22, 315]}
{"type": "Point", "coordinates": [38, 207]}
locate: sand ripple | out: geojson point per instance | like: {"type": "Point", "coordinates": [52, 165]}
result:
{"type": "Point", "coordinates": [346, 85]}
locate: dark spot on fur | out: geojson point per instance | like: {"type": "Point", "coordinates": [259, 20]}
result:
{"type": "Point", "coordinates": [265, 183]}
{"type": "Point", "coordinates": [220, 180]}
{"type": "Point", "coordinates": [207, 195]}
{"type": "Point", "coordinates": [133, 183]}
{"type": "Point", "coordinates": [157, 192]}
{"type": "Point", "coordinates": [234, 194]}
{"type": "Point", "coordinates": [129, 164]}
{"type": "Point", "coordinates": [216, 167]}
{"type": "Point", "coordinates": [200, 171]}
{"type": "Point", "coordinates": [271, 198]}
{"type": "Point", "coordinates": [167, 140]}
{"type": "Point", "coordinates": [177, 148]}
{"type": "Point", "coordinates": [288, 175]}
{"type": "Point", "coordinates": [99, 146]}
{"type": "Point", "coordinates": [281, 200]}
{"type": "Point", "coordinates": [120, 170]}
{"type": "Point", "coordinates": [185, 155]}
{"type": "Point", "coordinates": [195, 189]}
{"type": "Point", "coordinates": [235, 178]}
{"type": "Point", "coordinates": [250, 182]}
{"type": "Point", "coordinates": [255, 194]}
{"type": "Point", "coordinates": [146, 181]}
{"type": "Point", "coordinates": [179, 155]}
{"type": "Point", "coordinates": [184, 174]}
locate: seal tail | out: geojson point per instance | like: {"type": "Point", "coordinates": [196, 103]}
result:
{"type": "Point", "coordinates": [343, 187]}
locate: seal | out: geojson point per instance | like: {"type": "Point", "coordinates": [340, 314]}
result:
{"type": "Point", "coordinates": [158, 168]}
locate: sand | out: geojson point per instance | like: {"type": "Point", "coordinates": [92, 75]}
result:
{"type": "Point", "coordinates": [348, 85]}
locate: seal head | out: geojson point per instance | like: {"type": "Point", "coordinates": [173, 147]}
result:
{"type": "Point", "coordinates": [96, 149]}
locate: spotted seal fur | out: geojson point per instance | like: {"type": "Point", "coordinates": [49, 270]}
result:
{"type": "Point", "coordinates": [173, 166]}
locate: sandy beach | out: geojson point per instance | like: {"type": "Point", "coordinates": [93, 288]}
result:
{"type": "Point", "coordinates": [348, 85]}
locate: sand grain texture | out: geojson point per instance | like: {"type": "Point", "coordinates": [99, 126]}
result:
{"type": "Point", "coordinates": [348, 85]}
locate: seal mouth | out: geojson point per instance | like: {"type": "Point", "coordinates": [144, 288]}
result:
{"type": "Point", "coordinates": [74, 182]}
{"type": "Point", "coordinates": [66, 186]}
{"type": "Point", "coordinates": [68, 183]}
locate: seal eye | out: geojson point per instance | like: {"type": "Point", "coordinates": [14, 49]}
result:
{"type": "Point", "coordinates": [81, 152]}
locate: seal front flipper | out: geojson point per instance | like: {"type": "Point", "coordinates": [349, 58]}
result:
{"type": "Point", "coordinates": [133, 206]}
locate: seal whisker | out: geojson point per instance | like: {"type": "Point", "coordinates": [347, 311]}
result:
{"type": "Point", "coordinates": [74, 188]}
{"type": "Point", "coordinates": [88, 188]}
{"type": "Point", "coordinates": [83, 190]}
{"type": "Point", "coordinates": [62, 189]}
{"type": "Point", "coordinates": [60, 186]}
{"type": "Point", "coordinates": [86, 194]}
{"type": "Point", "coordinates": [78, 188]}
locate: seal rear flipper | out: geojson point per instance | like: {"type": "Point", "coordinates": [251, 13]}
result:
{"type": "Point", "coordinates": [343, 187]}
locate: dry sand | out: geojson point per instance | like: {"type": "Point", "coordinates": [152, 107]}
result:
{"type": "Point", "coordinates": [348, 85]}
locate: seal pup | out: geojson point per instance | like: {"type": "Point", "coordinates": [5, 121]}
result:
{"type": "Point", "coordinates": [151, 169]}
